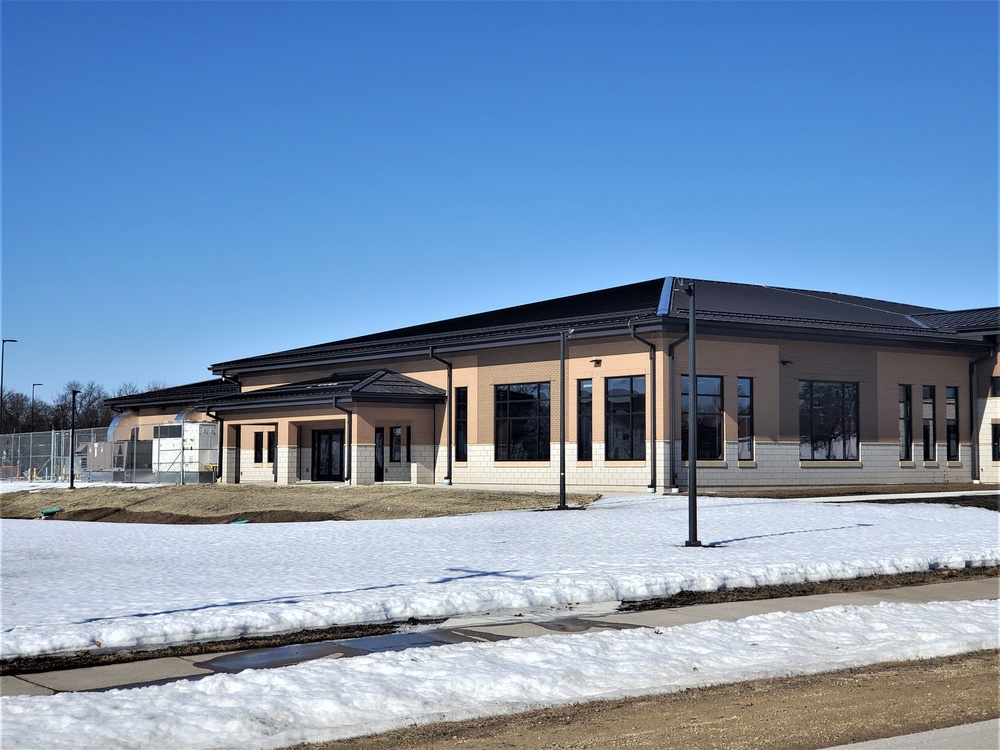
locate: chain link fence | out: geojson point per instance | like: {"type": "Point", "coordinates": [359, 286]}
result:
{"type": "Point", "coordinates": [178, 453]}
{"type": "Point", "coordinates": [45, 456]}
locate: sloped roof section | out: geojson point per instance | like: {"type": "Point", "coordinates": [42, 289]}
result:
{"type": "Point", "coordinates": [614, 306]}
{"type": "Point", "coordinates": [181, 395]}
{"type": "Point", "coordinates": [979, 319]}
{"type": "Point", "coordinates": [797, 308]}
{"type": "Point", "coordinates": [378, 386]}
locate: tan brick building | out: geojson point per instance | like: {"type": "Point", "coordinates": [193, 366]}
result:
{"type": "Point", "coordinates": [792, 387]}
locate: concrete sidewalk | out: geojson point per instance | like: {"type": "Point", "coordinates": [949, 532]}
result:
{"type": "Point", "coordinates": [463, 630]}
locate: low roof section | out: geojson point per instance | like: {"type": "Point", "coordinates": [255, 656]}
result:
{"type": "Point", "coordinates": [365, 386]}
{"type": "Point", "coordinates": [182, 396]}
{"type": "Point", "coordinates": [724, 308]}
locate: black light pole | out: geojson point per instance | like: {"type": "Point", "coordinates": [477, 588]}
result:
{"type": "Point", "coordinates": [72, 442]}
{"type": "Point", "coordinates": [3, 351]}
{"type": "Point", "coordinates": [33, 386]}
{"type": "Point", "coordinates": [692, 540]}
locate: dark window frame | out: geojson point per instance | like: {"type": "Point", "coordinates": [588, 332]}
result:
{"type": "Point", "coordinates": [585, 419]}
{"type": "Point", "coordinates": [462, 423]}
{"type": "Point", "coordinates": [396, 444]}
{"type": "Point", "coordinates": [744, 420]}
{"type": "Point", "coordinates": [409, 444]}
{"type": "Point", "coordinates": [711, 437]}
{"type": "Point", "coordinates": [905, 422]}
{"type": "Point", "coordinates": [628, 415]}
{"type": "Point", "coordinates": [522, 421]}
{"type": "Point", "coordinates": [258, 447]}
{"type": "Point", "coordinates": [272, 446]}
{"type": "Point", "coordinates": [829, 413]}
{"type": "Point", "coordinates": [995, 385]}
{"type": "Point", "coordinates": [952, 447]}
{"type": "Point", "coordinates": [929, 408]}
{"type": "Point", "coordinates": [995, 440]}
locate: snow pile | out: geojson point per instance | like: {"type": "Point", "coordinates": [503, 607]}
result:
{"type": "Point", "coordinates": [336, 698]}
{"type": "Point", "coordinates": [71, 586]}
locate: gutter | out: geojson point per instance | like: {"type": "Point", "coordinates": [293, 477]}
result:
{"type": "Point", "coordinates": [652, 401]}
{"type": "Point", "coordinates": [448, 411]}
{"type": "Point", "coordinates": [350, 429]}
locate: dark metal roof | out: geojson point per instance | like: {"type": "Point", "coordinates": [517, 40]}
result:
{"type": "Point", "coordinates": [181, 395]}
{"type": "Point", "coordinates": [381, 386]}
{"type": "Point", "coordinates": [979, 319]}
{"type": "Point", "coordinates": [798, 308]}
{"type": "Point", "coordinates": [726, 307]}
{"type": "Point", "coordinates": [615, 306]}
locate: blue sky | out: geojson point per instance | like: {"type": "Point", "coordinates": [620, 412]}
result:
{"type": "Point", "coordinates": [186, 183]}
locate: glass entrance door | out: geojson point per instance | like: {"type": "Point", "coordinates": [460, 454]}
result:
{"type": "Point", "coordinates": [328, 456]}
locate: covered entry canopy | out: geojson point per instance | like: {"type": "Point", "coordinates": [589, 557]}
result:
{"type": "Point", "coordinates": [372, 386]}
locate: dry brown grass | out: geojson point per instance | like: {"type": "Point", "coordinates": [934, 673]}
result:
{"type": "Point", "coordinates": [221, 503]}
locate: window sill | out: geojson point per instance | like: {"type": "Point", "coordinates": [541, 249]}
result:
{"type": "Point", "coordinates": [832, 464]}
{"type": "Point", "coordinates": [747, 464]}
{"type": "Point", "coordinates": [540, 463]}
{"type": "Point", "coordinates": [907, 465]}
{"type": "Point", "coordinates": [954, 464]}
{"type": "Point", "coordinates": [931, 465]}
{"type": "Point", "coordinates": [624, 462]}
{"type": "Point", "coordinates": [585, 464]}
{"type": "Point", "coordinates": [708, 464]}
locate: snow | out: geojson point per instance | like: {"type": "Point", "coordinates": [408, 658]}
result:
{"type": "Point", "coordinates": [335, 698]}
{"type": "Point", "coordinates": [69, 586]}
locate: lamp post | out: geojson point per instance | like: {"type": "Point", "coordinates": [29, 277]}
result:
{"type": "Point", "coordinates": [692, 540]}
{"type": "Point", "coordinates": [3, 351]}
{"type": "Point", "coordinates": [33, 386]}
{"type": "Point", "coordinates": [72, 442]}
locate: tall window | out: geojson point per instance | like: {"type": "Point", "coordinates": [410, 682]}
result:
{"type": "Point", "coordinates": [272, 445]}
{"type": "Point", "coordinates": [996, 441]}
{"type": "Point", "coordinates": [462, 424]}
{"type": "Point", "coordinates": [995, 386]}
{"type": "Point", "coordinates": [409, 444]}
{"type": "Point", "coordinates": [930, 434]}
{"type": "Point", "coordinates": [828, 421]}
{"type": "Point", "coordinates": [585, 420]}
{"type": "Point", "coordinates": [744, 418]}
{"type": "Point", "coordinates": [905, 423]}
{"type": "Point", "coordinates": [951, 421]}
{"type": "Point", "coordinates": [521, 418]}
{"type": "Point", "coordinates": [396, 444]}
{"type": "Point", "coordinates": [625, 418]}
{"type": "Point", "coordinates": [708, 413]}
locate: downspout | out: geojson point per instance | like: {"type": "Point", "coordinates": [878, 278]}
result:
{"type": "Point", "coordinates": [652, 401]}
{"type": "Point", "coordinates": [350, 429]}
{"type": "Point", "coordinates": [974, 427]}
{"type": "Point", "coordinates": [673, 410]}
{"type": "Point", "coordinates": [448, 415]}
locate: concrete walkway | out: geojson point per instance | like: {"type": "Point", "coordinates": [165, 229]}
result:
{"type": "Point", "coordinates": [463, 630]}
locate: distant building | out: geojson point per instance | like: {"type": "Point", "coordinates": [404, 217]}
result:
{"type": "Point", "coordinates": [792, 387]}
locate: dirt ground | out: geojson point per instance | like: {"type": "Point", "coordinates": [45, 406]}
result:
{"type": "Point", "coordinates": [798, 713]}
{"type": "Point", "coordinates": [224, 503]}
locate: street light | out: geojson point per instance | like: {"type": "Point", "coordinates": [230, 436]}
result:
{"type": "Point", "coordinates": [3, 351]}
{"type": "Point", "coordinates": [33, 386]}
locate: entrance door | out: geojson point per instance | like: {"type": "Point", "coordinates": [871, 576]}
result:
{"type": "Point", "coordinates": [379, 454]}
{"type": "Point", "coordinates": [328, 455]}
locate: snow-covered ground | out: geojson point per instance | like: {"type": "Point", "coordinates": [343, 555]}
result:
{"type": "Point", "coordinates": [335, 698]}
{"type": "Point", "coordinates": [68, 586]}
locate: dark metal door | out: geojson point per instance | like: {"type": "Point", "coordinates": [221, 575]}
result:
{"type": "Point", "coordinates": [328, 453]}
{"type": "Point", "coordinates": [379, 454]}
